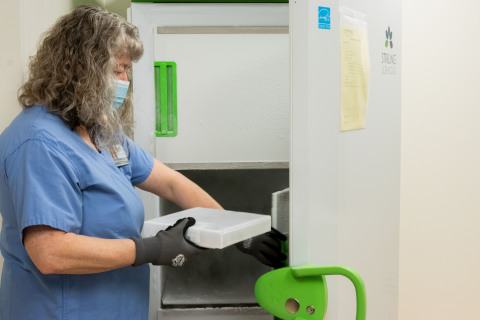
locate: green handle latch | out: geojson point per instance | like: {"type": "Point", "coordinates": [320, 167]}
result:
{"type": "Point", "coordinates": [165, 98]}
{"type": "Point", "coordinates": [300, 293]}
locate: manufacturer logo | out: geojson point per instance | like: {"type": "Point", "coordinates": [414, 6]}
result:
{"type": "Point", "coordinates": [323, 18]}
{"type": "Point", "coordinates": [389, 56]}
{"type": "Point", "coordinates": [389, 41]}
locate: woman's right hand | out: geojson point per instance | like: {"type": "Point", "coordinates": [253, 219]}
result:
{"type": "Point", "coordinates": [169, 247]}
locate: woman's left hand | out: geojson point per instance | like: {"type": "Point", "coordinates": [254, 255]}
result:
{"type": "Point", "coordinates": [266, 248]}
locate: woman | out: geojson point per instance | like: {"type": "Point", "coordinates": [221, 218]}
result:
{"type": "Point", "coordinates": [71, 217]}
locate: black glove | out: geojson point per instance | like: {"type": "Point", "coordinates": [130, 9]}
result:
{"type": "Point", "coordinates": [169, 247]}
{"type": "Point", "coordinates": [266, 248]}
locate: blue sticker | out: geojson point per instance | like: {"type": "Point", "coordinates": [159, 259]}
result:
{"type": "Point", "coordinates": [323, 18]}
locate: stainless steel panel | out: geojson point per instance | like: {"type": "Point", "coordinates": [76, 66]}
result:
{"type": "Point", "coordinates": [228, 165]}
{"type": "Point", "coordinates": [255, 313]}
{"type": "Point", "coordinates": [223, 30]}
{"type": "Point", "coordinates": [223, 278]}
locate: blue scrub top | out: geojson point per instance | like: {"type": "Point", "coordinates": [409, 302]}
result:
{"type": "Point", "coordinates": [50, 176]}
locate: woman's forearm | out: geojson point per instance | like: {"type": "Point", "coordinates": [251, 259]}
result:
{"type": "Point", "coordinates": [55, 251]}
{"type": "Point", "coordinates": [172, 185]}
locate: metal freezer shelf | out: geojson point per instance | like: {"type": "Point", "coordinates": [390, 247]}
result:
{"type": "Point", "coordinates": [228, 165]}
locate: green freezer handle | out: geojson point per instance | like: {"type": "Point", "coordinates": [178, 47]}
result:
{"type": "Point", "coordinates": [165, 99]}
{"type": "Point", "coordinates": [300, 292]}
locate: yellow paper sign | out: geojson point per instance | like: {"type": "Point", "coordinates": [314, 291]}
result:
{"type": "Point", "coordinates": [355, 77]}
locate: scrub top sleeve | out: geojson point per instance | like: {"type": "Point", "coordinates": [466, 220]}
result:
{"type": "Point", "coordinates": [45, 187]}
{"type": "Point", "coordinates": [141, 162]}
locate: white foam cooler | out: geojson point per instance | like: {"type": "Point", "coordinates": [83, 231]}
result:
{"type": "Point", "coordinates": [214, 228]}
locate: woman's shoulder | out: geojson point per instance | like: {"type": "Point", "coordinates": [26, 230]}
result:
{"type": "Point", "coordinates": [36, 119]}
{"type": "Point", "coordinates": [34, 123]}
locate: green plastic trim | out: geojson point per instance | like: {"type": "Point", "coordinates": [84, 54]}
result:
{"type": "Point", "coordinates": [210, 1]}
{"type": "Point", "coordinates": [300, 292]}
{"type": "Point", "coordinates": [278, 291]}
{"type": "Point", "coordinates": [309, 270]}
{"type": "Point", "coordinates": [165, 99]}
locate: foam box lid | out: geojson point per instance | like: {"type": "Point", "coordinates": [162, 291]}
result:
{"type": "Point", "coordinates": [214, 228]}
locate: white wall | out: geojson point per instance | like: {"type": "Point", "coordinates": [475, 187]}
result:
{"type": "Point", "coordinates": [440, 216]}
{"type": "Point", "coordinates": [10, 61]}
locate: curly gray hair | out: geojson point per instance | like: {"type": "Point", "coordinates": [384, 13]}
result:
{"type": "Point", "coordinates": [72, 72]}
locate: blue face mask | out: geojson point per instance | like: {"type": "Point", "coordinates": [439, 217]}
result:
{"type": "Point", "coordinates": [121, 88]}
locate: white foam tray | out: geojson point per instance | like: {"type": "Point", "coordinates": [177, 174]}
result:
{"type": "Point", "coordinates": [214, 228]}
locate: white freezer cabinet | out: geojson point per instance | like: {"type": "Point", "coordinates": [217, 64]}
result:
{"type": "Point", "coordinates": [213, 85]}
